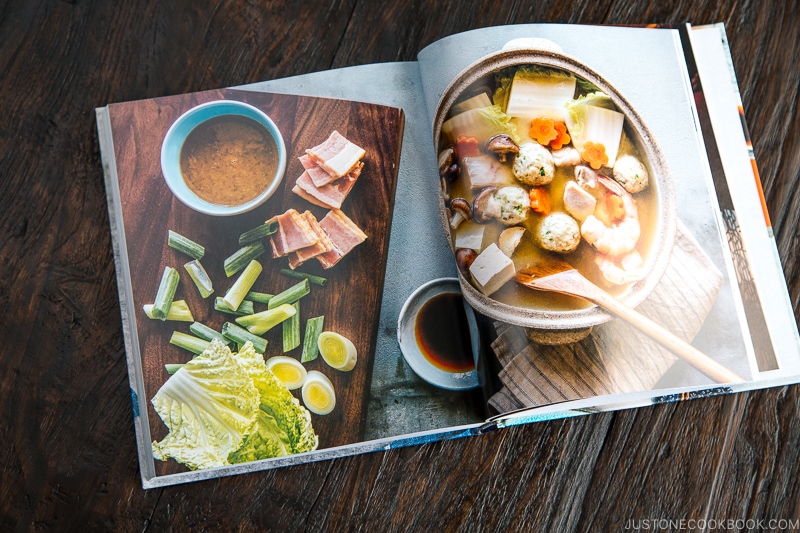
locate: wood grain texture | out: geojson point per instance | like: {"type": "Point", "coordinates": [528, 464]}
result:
{"type": "Point", "coordinates": [68, 460]}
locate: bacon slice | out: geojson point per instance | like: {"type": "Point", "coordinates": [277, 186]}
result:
{"type": "Point", "coordinates": [324, 244]}
{"type": "Point", "coordinates": [294, 233]}
{"type": "Point", "coordinates": [337, 156]}
{"type": "Point", "coordinates": [344, 236]}
{"type": "Point", "coordinates": [331, 195]}
{"type": "Point", "coordinates": [317, 174]}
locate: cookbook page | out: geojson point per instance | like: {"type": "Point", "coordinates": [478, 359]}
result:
{"type": "Point", "coordinates": [548, 348]}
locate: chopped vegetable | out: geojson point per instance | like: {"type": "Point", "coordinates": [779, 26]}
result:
{"type": "Point", "coordinates": [291, 330]}
{"type": "Point", "coordinates": [480, 100]}
{"type": "Point", "coordinates": [188, 342]}
{"type": "Point", "coordinates": [290, 295]}
{"type": "Point", "coordinates": [318, 394]}
{"type": "Point", "coordinates": [310, 347]}
{"type": "Point", "coordinates": [242, 257]}
{"type": "Point", "coordinates": [242, 286]}
{"type": "Point", "coordinates": [234, 333]}
{"type": "Point", "coordinates": [260, 297]}
{"type": "Point", "coordinates": [482, 123]}
{"type": "Point", "coordinates": [543, 130]}
{"type": "Point", "coordinates": [337, 350]}
{"type": "Point", "coordinates": [260, 323]}
{"type": "Point", "coordinates": [200, 278]}
{"type": "Point", "coordinates": [467, 146]}
{"type": "Point", "coordinates": [540, 200]}
{"type": "Point", "coordinates": [594, 118]}
{"type": "Point", "coordinates": [166, 292]}
{"type": "Point", "coordinates": [178, 311]}
{"type": "Point", "coordinates": [245, 307]}
{"type": "Point", "coordinates": [205, 332]}
{"type": "Point", "coordinates": [562, 138]}
{"type": "Point", "coordinates": [259, 232]}
{"type": "Point", "coordinates": [594, 154]}
{"type": "Point", "coordinates": [288, 370]}
{"type": "Point", "coordinates": [187, 246]}
{"type": "Point", "coordinates": [316, 280]}
{"type": "Point", "coordinates": [171, 368]}
{"type": "Point", "coordinates": [225, 408]}
{"type": "Point", "coordinates": [537, 92]}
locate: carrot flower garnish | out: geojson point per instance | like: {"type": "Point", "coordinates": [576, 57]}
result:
{"type": "Point", "coordinates": [467, 146]}
{"type": "Point", "coordinates": [543, 130]}
{"type": "Point", "coordinates": [594, 154]}
{"type": "Point", "coordinates": [562, 138]}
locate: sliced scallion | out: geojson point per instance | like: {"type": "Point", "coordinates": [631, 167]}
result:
{"type": "Point", "coordinates": [205, 332]}
{"type": "Point", "coordinates": [258, 233]}
{"type": "Point", "coordinates": [166, 292]}
{"type": "Point", "coordinates": [310, 348]}
{"type": "Point", "coordinates": [200, 277]}
{"type": "Point", "coordinates": [242, 257]}
{"type": "Point", "coordinates": [242, 285]}
{"type": "Point", "coordinates": [188, 342]}
{"type": "Point", "coordinates": [187, 246]}
{"type": "Point", "coordinates": [178, 311]}
{"type": "Point", "coordinates": [237, 334]}
{"type": "Point", "coordinates": [290, 295]}
{"type": "Point", "coordinates": [291, 330]}
{"type": "Point", "coordinates": [260, 323]}
{"type": "Point", "coordinates": [171, 368]}
{"type": "Point", "coordinates": [260, 297]}
{"type": "Point", "coordinates": [245, 307]}
{"type": "Point", "coordinates": [316, 280]}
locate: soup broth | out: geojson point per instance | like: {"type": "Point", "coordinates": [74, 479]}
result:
{"type": "Point", "coordinates": [229, 160]}
{"type": "Point", "coordinates": [529, 252]}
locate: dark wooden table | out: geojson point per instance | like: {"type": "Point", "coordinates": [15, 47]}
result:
{"type": "Point", "coordinates": [67, 449]}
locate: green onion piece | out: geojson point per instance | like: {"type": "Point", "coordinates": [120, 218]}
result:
{"type": "Point", "coordinates": [166, 292]}
{"type": "Point", "coordinates": [242, 257]}
{"type": "Point", "coordinates": [187, 246]}
{"type": "Point", "coordinates": [291, 330]}
{"type": "Point", "coordinates": [260, 297]}
{"type": "Point", "coordinates": [178, 310]}
{"type": "Point", "coordinates": [316, 280]}
{"type": "Point", "coordinates": [290, 295]}
{"type": "Point", "coordinates": [245, 308]}
{"type": "Point", "coordinates": [256, 234]}
{"type": "Point", "coordinates": [234, 333]}
{"type": "Point", "coordinates": [205, 332]}
{"type": "Point", "coordinates": [171, 368]}
{"type": "Point", "coordinates": [200, 278]}
{"type": "Point", "coordinates": [310, 348]}
{"type": "Point", "coordinates": [260, 323]}
{"type": "Point", "coordinates": [188, 342]}
{"type": "Point", "coordinates": [242, 286]}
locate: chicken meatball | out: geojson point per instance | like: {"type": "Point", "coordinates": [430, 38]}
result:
{"type": "Point", "coordinates": [630, 173]}
{"type": "Point", "coordinates": [514, 203]}
{"type": "Point", "coordinates": [534, 164]}
{"type": "Point", "coordinates": [559, 232]}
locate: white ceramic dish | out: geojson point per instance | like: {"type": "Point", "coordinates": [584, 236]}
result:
{"type": "Point", "coordinates": [406, 337]}
{"type": "Point", "coordinates": [180, 129]}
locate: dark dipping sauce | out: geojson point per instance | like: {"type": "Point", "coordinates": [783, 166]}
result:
{"type": "Point", "coordinates": [442, 333]}
{"type": "Point", "coordinates": [229, 160]}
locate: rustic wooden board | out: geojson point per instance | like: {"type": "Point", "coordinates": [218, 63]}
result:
{"type": "Point", "coordinates": [350, 300]}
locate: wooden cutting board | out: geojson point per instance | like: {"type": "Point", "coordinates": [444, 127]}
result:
{"type": "Point", "coordinates": [351, 298]}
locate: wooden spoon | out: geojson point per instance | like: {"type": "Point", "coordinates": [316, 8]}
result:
{"type": "Point", "coordinates": [563, 278]}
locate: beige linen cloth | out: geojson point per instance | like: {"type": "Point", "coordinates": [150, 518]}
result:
{"type": "Point", "coordinates": [615, 357]}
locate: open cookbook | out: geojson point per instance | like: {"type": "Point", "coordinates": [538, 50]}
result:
{"type": "Point", "coordinates": [528, 222]}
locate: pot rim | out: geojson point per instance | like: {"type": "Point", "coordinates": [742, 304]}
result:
{"type": "Point", "coordinates": [663, 241]}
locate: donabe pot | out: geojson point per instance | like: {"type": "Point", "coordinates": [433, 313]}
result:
{"type": "Point", "coordinates": [555, 327]}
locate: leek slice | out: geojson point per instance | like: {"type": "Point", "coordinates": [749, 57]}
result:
{"type": "Point", "coordinates": [178, 311]}
{"type": "Point", "coordinates": [288, 370]}
{"type": "Point", "coordinates": [242, 286]}
{"type": "Point", "coordinates": [260, 323]}
{"type": "Point", "coordinates": [318, 394]}
{"type": "Point", "coordinates": [337, 350]}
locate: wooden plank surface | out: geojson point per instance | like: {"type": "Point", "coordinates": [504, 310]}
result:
{"type": "Point", "coordinates": [350, 299]}
{"type": "Point", "coordinates": [68, 460]}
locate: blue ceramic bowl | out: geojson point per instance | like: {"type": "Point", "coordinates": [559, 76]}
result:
{"type": "Point", "coordinates": [180, 129]}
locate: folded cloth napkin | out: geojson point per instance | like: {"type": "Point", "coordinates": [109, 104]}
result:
{"type": "Point", "coordinates": [615, 357]}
